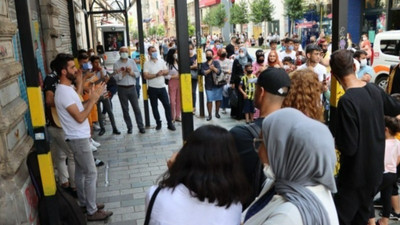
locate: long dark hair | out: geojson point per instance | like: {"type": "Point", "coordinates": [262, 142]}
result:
{"type": "Point", "coordinates": [170, 58]}
{"type": "Point", "coordinates": [209, 166]}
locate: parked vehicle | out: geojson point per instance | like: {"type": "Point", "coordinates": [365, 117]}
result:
{"type": "Point", "coordinates": [113, 37]}
{"type": "Point", "coordinates": [386, 53]}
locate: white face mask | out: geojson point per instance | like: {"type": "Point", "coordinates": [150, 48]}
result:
{"type": "Point", "coordinates": [241, 55]}
{"type": "Point", "coordinates": [124, 55]}
{"type": "Point", "coordinates": [363, 62]}
{"type": "Point", "coordinates": [364, 38]}
{"type": "Point", "coordinates": [268, 171]}
{"type": "Point", "coordinates": [191, 52]}
{"type": "Point", "coordinates": [286, 67]}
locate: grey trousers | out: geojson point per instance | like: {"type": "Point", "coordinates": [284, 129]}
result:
{"type": "Point", "coordinates": [107, 107]}
{"type": "Point", "coordinates": [61, 151]}
{"type": "Point", "coordinates": [85, 173]}
{"type": "Point", "coordinates": [125, 96]}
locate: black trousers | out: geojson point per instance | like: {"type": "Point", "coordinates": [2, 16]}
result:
{"type": "Point", "coordinates": [386, 189]}
{"type": "Point", "coordinates": [161, 94]}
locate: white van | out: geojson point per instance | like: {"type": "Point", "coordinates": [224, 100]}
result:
{"type": "Point", "coordinates": [386, 53]}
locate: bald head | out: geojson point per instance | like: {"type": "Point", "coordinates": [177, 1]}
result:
{"type": "Point", "coordinates": [123, 49]}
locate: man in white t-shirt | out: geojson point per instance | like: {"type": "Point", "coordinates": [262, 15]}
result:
{"type": "Point", "coordinates": [154, 71]}
{"type": "Point", "coordinates": [313, 54]}
{"type": "Point", "coordinates": [288, 50]}
{"type": "Point", "coordinates": [73, 117]}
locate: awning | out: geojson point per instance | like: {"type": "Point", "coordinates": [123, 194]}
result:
{"type": "Point", "coordinates": [205, 3]}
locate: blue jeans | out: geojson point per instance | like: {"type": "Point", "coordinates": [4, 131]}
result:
{"type": "Point", "coordinates": [156, 94]}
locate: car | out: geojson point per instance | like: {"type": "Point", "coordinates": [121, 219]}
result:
{"type": "Point", "coordinates": [385, 53]}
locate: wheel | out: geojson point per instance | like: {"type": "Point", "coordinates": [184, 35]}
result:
{"type": "Point", "coordinates": [382, 82]}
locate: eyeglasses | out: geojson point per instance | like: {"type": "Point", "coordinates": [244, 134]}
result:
{"type": "Point", "coordinates": [256, 143]}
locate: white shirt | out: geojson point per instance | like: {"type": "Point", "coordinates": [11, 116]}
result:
{"type": "Point", "coordinates": [178, 207]}
{"type": "Point", "coordinates": [66, 96]}
{"type": "Point", "coordinates": [284, 54]}
{"type": "Point", "coordinates": [152, 67]}
{"type": "Point", "coordinates": [127, 79]}
{"type": "Point", "coordinates": [318, 69]}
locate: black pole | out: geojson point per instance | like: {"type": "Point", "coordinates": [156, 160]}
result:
{"type": "Point", "coordinates": [339, 32]}
{"type": "Point", "coordinates": [71, 15]}
{"type": "Point", "coordinates": [142, 60]}
{"type": "Point", "coordinates": [86, 23]}
{"type": "Point", "coordinates": [184, 67]}
{"type": "Point", "coordinates": [36, 107]}
{"type": "Point", "coordinates": [199, 56]}
{"type": "Point", "coordinates": [127, 27]}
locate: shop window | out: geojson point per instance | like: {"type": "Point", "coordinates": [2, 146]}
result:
{"type": "Point", "coordinates": [390, 47]}
{"type": "Point", "coordinates": [374, 4]}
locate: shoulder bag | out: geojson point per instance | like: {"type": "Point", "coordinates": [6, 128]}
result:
{"type": "Point", "coordinates": [151, 203]}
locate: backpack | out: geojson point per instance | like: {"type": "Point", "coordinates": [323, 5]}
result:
{"type": "Point", "coordinates": [68, 210]}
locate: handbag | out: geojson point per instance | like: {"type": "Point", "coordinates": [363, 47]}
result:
{"type": "Point", "coordinates": [194, 74]}
{"type": "Point", "coordinates": [219, 79]}
{"type": "Point", "coordinates": [151, 203]}
{"type": "Point", "coordinates": [233, 97]}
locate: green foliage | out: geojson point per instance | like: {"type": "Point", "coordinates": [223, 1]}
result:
{"type": "Point", "coordinates": [218, 16]}
{"type": "Point", "coordinates": [152, 31]}
{"type": "Point", "coordinates": [191, 29]}
{"type": "Point", "coordinates": [239, 13]}
{"type": "Point", "coordinates": [294, 9]}
{"type": "Point", "coordinates": [261, 10]}
{"type": "Point", "coordinates": [160, 30]}
{"type": "Point", "coordinates": [207, 18]}
{"type": "Point", "coordinates": [134, 34]}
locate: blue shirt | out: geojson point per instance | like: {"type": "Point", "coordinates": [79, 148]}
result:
{"type": "Point", "coordinates": [365, 69]}
{"type": "Point", "coordinates": [136, 56]}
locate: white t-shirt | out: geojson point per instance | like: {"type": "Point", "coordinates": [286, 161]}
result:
{"type": "Point", "coordinates": [284, 54]}
{"type": "Point", "coordinates": [152, 67]}
{"type": "Point", "coordinates": [178, 207]}
{"type": "Point", "coordinates": [392, 151]}
{"type": "Point", "coordinates": [66, 96]}
{"type": "Point", "coordinates": [318, 69]}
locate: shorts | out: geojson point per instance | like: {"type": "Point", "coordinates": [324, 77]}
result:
{"type": "Point", "coordinates": [248, 106]}
{"type": "Point", "coordinates": [215, 94]}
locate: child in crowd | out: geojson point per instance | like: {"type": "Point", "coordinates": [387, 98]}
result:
{"type": "Point", "coordinates": [392, 159]}
{"type": "Point", "coordinates": [288, 65]}
{"type": "Point", "coordinates": [247, 88]}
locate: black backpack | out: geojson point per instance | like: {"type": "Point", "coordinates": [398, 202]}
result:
{"type": "Point", "coordinates": [68, 210]}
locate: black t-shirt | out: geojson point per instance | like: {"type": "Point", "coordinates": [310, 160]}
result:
{"type": "Point", "coordinates": [208, 80]}
{"type": "Point", "coordinates": [230, 50]}
{"type": "Point", "coordinates": [100, 49]}
{"type": "Point", "coordinates": [50, 83]}
{"type": "Point", "coordinates": [396, 81]}
{"type": "Point", "coordinates": [360, 135]}
{"type": "Point", "coordinates": [249, 157]}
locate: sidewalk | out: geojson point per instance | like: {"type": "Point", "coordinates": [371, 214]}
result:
{"type": "Point", "coordinates": [135, 162]}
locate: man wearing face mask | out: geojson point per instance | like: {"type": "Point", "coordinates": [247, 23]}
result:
{"type": "Point", "coordinates": [125, 73]}
{"type": "Point", "coordinates": [366, 72]}
{"type": "Point", "coordinates": [154, 71]}
{"type": "Point", "coordinates": [288, 50]}
{"type": "Point", "coordinates": [259, 65]}
{"type": "Point", "coordinates": [226, 67]}
{"type": "Point", "coordinates": [270, 90]}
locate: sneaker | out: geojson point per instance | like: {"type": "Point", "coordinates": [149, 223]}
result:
{"type": "Point", "coordinates": [98, 162]}
{"type": "Point", "coordinates": [99, 215]}
{"type": "Point", "coordinates": [392, 216]}
{"type": "Point", "coordinates": [98, 205]}
{"type": "Point", "coordinates": [95, 143]}
{"type": "Point", "coordinates": [93, 148]}
{"type": "Point", "coordinates": [223, 111]}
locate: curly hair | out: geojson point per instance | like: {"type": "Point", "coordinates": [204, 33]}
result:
{"type": "Point", "coordinates": [305, 94]}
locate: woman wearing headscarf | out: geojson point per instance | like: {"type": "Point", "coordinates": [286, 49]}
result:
{"type": "Point", "coordinates": [259, 65]}
{"type": "Point", "coordinates": [298, 154]}
{"type": "Point", "coordinates": [237, 72]}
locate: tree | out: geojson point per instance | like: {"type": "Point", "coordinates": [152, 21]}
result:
{"type": "Point", "coordinates": [191, 29]}
{"type": "Point", "coordinates": [218, 16]}
{"type": "Point", "coordinates": [152, 31]}
{"type": "Point", "coordinates": [207, 20]}
{"type": "Point", "coordinates": [160, 30]}
{"type": "Point", "coordinates": [239, 14]}
{"type": "Point", "coordinates": [261, 11]}
{"type": "Point", "coordinates": [294, 10]}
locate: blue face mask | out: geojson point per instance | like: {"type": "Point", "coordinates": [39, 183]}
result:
{"type": "Point", "coordinates": [291, 48]}
{"type": "Point", "coordinates": [86, 66]}
{"type": "Point", "coordinates": [283, 48]}
{"type": "Point", "coordinates": [154, 55]}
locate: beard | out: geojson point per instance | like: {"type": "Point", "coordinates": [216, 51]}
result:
{"type": "Point", "coordinates": [71, 77]}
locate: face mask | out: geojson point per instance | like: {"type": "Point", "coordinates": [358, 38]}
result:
{"type": "Point", "coordinates": [223, 55]}
{"type": "Point", "coordinates": [268, 171]}
{"type": "Point", "coordinates": [286, 67]}
{"type": "Point", "coordinates": [364, 38]}
{"type": "Point", "coordinates": [291, 48]}
{"type": "Point", "coordinates": [191, 52]}
{"type": "Point", "coordinates": [363, 62]}
{"type": "Point", "coordinates": [236, 52]}
{"type": "Point", "coordinates": [175, 56]}
{"type": "Point", "coordinates": [154, 55]}
{"type": "Point", "coordinates": [283, 48]}
{"type": "Point", "coordinates": [241, 55]}
{"type": "Point", "coordinates": [124, 55]}
{"type": "Point", "coordinates": [86, 66]}
{"type": "Point", "coordinates": [209, 58]}
{"type": "Point", "coordinates": [249, 71]}
{"type": "Point", "coordinates": [259, 61]}
{"type": "Point", "coordinates": [92, 54]}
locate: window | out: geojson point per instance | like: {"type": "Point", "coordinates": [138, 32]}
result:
{"type": "Point", "coordinates": [113, 40]}
{"type": "Point", "coordinates": [390, 47]}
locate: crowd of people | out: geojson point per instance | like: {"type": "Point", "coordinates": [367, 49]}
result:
{"type": "Point", "coordinates": [276, 168]}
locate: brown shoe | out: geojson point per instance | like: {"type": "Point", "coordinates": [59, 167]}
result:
{"type": "Point", "coordinates": [99, 206]}
{"type": "Point", "coordinates": [99, 215]}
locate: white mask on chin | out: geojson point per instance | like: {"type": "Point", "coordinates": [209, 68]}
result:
{"type": "Point", "coordinates": [268, 171]}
